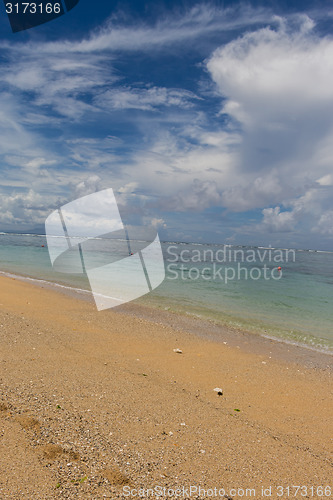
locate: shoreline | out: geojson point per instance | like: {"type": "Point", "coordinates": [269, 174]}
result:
{"type": "Point", "coordinates": [92, 402]}
{"type": "Point", "coordinates": [250, 341]}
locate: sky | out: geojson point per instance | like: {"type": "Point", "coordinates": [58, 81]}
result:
{"type": "Point", "coordinates": [212, 121]}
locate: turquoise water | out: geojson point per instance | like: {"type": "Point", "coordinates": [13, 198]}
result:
{"type": "Point", "coordinates": [239, 286]}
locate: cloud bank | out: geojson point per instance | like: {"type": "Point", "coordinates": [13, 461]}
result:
{"type": "Point", "coordinates": [249, 138]}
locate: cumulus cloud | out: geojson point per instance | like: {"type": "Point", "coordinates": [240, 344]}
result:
{"type": "Point", "coordinates": [311, 213]}
{"type": "Point", "coordinates": [158, 223]}
{"type": "Point", "coordinates": [283, 68]}
{"type": "Point", "coordinates": [325, 224]}
{"type": "Point", "coordinates": [276, 85]}
{"type": "Point", "coordinates": [276, 221]}
{"type": "Point", "coordinates": [30, 207]}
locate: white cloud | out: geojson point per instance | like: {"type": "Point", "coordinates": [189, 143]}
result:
{"type": "Point", "coordinates": [158, 223]}
{"type": "Point", "coordinates": [251, 192]}
{"type": "Point", "coordinates": [12, 133]}
{"type": "Point", "coordinates": [59, 82]}
{"type": "Point", "coordinates": [277, 85]}
{"type": "Point", "coordinates": [326, 180]}
{"type": "Point", "coordinates": [325, 224]}
{"type": "Point", "coordinates": [30, 207]}
{"type": "Point", "coordinates": [292, 66]}
{"type": "Point", "coordinates": [199, 196]}
{"type": "Point", "coordinates": [93, 155]}
{"type": "Point", "coordinates": [145, 99]}
{"type": "Point", "coordinates": [63, 75]}
{"type": "Point", "coordinates": [89, 185]}
{"type": "Point", "coordinates": [276, 221]}
{"type": "Point", "coordinates": [128, 188]}
{"type": "Point", "coordinates": [311, 212]}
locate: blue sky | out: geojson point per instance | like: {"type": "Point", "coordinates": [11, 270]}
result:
{"type": "Point", "coordinates": [211, 120]}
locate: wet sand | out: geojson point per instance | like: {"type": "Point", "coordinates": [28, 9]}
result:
{"type": "Point", "coordinates": [98, 405]}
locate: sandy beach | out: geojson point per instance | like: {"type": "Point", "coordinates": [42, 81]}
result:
{"type": "Point", "coordinates": [99, 405]}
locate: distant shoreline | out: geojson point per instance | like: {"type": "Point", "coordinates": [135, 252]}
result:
{"type": "Point", "coordinates": [13, 233]}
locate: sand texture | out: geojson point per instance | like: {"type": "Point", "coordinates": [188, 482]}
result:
{"type": "Point", "coordinates": [93, 405]}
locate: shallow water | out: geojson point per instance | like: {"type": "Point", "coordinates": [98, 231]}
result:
{"type": "Point", "coordinates": [240, 286]}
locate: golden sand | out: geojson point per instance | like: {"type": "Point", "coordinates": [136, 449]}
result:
{"type": "Point", "coordinates": [98, 405]}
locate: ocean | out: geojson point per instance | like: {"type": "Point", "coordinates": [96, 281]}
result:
{"type": "Point", "coordinates": [285, 294]}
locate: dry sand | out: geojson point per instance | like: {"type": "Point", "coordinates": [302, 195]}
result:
{"type": "Point", "coordinates": [94, 405]}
